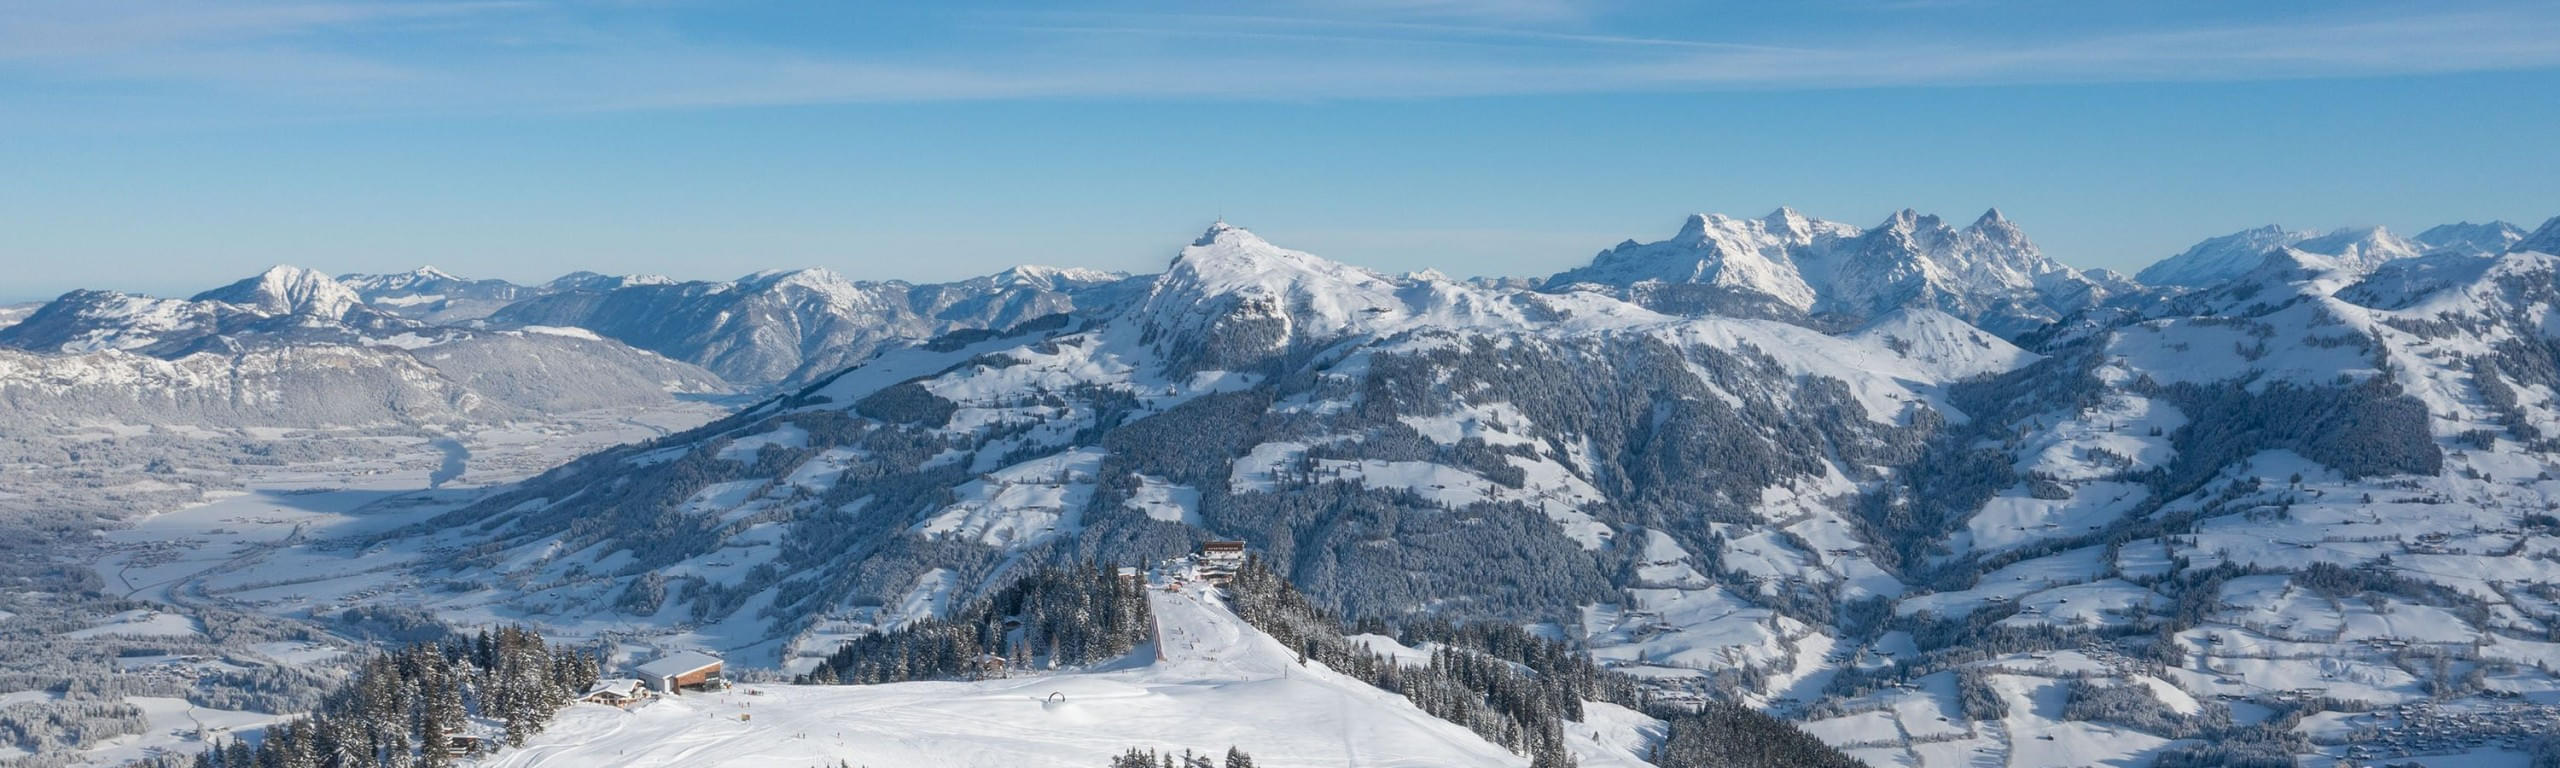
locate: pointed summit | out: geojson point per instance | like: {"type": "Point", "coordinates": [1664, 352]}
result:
{"type": "Point", "coordinates": [1990, 218]}
{"type": "Point", "coordinates": [1232, 256]}
{"type": "Point", "coordinates": [1787, 221]}
{"type": "Point", "coordinates": [1694, 228]}
{"type": "Point", "coordinates": [1231, 297]}
{"type": "Point", "coordinates": [1908, 221]}
{"type": "Point", "coordinates": [285, 289]}
{"type": "Point", "coordinates": [1221, 230]}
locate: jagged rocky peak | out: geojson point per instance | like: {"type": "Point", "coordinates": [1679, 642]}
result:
{"type": "Point", "coordinates": [288, 290]}
{"type": "Point", "coordinates": [1995, 227]}
{"type": "Point", "coordinates": [1908, 220]}
{"type": "Point", "coordinates": [1787, 221]}
{"type": "Point", "coordinates": [1915, 237]}
{"type": "Point", "coordinates": [1987, 271]}
{"type": "Point", "coordinates": [1786, 225]}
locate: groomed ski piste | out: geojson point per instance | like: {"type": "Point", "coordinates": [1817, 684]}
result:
{"type": "Point", "coordinates": [1208, 682]}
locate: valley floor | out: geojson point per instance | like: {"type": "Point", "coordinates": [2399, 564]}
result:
{"type": "Point", "coordinates": [236, 540]}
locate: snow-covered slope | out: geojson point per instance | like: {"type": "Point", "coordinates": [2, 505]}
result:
{"type": "Point", "coordinates": [2545, 239]}
{"type": "Point", "coordinates": [481, 378]}
{"type": "Point", "coordinates": [791, 326]}
{"type": "Point", "coordinates": [2217, 258]}
{"type": "Point", "coordinates": [291, 347]}
{"type": "Point", "coordinates": [2229, 256]}
{"type": "Point", "coordinates": [89, 321]}
{"type": "Point", "coordinates": [1787, 265]}
{"type": "Point", "coordinates": [1219, 684]}
{"type": "Point", "coordinates": [304, 386]}
{"type": "Point", "coordinates": [1250, 391]}
{"type": "Point", "coordinates": [2295, 479]}
{"type": "Point", "coordinates": [436, 296]}
{"type": "Point", "coordinates": [2470, 239]}
{"type": "Point", "coordinates": [289, 290]}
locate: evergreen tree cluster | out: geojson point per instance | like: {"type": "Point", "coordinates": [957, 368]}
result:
{"type": "Point", "coordinates": [1148, 758]}
{"type": "Point", "coordinates": [1058, 617]}
{"type": "Point", "coordinates": [402, 709]}
{"type": "Point", "coordinates": [1723, 735]}
{"type": "Point", "coordinates": [2133, 705]}
{"type": "Point", "coordinates": [1512, 687]}
{"type": "Point", "coordinates": [1520, 710]}
{"type": "Point", "coordinates": [45, 726]}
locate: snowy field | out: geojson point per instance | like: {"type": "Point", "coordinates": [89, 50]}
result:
{"type": "Point", "coordinates": [1220, 683]}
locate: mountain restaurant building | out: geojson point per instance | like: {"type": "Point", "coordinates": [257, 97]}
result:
{"type": "Point", "coordinates": [675, 672]}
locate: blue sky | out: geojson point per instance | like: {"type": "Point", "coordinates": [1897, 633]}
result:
{"type": "Point", "coordinates": [166, 146]}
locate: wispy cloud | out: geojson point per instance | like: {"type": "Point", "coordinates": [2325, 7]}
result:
{"type": "Point", "coordinates": [37, 30]}
{"type": "Point", "coordinates": [441, 56]}
{"type": "Point", "coordinates": [1500, 11]}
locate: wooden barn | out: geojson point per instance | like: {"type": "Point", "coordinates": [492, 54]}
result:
{"type": "Point", "coordinates": [675, 672]}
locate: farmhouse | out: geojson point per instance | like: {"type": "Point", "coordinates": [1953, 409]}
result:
{"type": "Point", "coordinates": [675, 672]}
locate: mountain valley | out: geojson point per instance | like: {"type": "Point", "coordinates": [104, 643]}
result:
{"type": "Point", "coordinates": [1929, 494]}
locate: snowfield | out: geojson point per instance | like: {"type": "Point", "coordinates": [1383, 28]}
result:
{"type": "Point", "coordinates": [1219, 683]}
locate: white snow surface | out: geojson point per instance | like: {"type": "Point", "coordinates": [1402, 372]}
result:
{"type": "Point", "coordinates": [1218, 683]}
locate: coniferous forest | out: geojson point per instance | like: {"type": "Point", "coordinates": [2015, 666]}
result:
{"type": "Point", "coordinates": [1055, 617]}
{"type": "Point", "coordinates": [1517, 689]}
{"type": "Point", "coordinates": [406, 708]}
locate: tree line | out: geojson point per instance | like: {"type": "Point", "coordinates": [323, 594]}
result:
{"type": "Point", "coordinates": [1056, 617]}
{"type": "Point", "coordinates": [404, 709]}
{"type": "Point", "coordinates": [1518, 689]}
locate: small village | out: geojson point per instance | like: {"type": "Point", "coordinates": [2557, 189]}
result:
{"type": "Point", "coordinates": [2426, 728]}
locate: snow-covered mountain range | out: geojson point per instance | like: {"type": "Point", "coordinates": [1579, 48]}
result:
{"type": "Point", "coordinates": [791, 326]}
{"type": "Point", "coordinates": [1922, 488]}
{"type": "Point", "coordinates": [436, 296]}
{"type": "Point", "coordinates": [1789, 266]}
{"type": "Point", "coordinates": [292, 347]}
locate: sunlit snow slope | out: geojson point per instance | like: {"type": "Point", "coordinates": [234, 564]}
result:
{"type": "Point", "coordinates": [1220, 683]}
